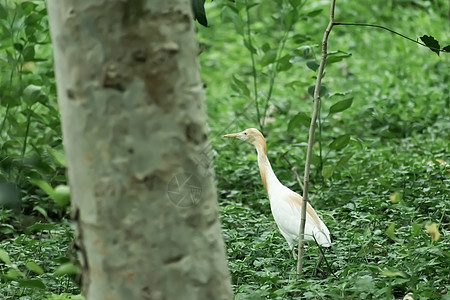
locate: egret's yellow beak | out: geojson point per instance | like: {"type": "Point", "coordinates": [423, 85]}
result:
{"type": "Point", "coordinates": [231, 135]}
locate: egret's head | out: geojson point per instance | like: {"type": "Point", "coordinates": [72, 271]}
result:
{"type": "Point", "coordinates": [249, 135]}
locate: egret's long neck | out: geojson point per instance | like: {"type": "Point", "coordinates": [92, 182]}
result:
{"type": "Point", "coordinates": [267, 175]}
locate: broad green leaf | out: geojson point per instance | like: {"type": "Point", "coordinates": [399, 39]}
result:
{"type": "Point", "coordinates": [446, 48]}
{"type": "Point", "coordinates": [3, 12]}
{"type": "Point", "coordinates": [290, 18]}
{"type": "Point", "coordinates": [314, 12]}
{"type": "Point", "coordinates": [252, 157]}
{"type": "Point", "coordinates": [269, 57]}
{"type": "Point", "coordinates": [265, 47]}
{"type": "Point", "coordinates": [240, 86]}
{"type": "Point", "coordinates": [40, 226]}
{"type": "Point", "coordinates": [295, 84]}
{"type": "Point", "coordinates": [4, 256]}
{"type": "Point", "coordinates": [327, 171]}
{"type": "Point", "coordinates": [344, 160]}
{"type": "Point", "coordinates": [431, 43]}
{"type": "Point", "coordinates": [43, 185]}
{"type": "Point", "coordinates": [340, 142]}
{"type": "Point", "coordinates": [58, 155]}
{"type": "Point", "coordinates": [61, 195]}
{"type": "Point", "coordinates": [312, 65]}
{"type": "Point", "coordinates": [299, 119]}
{"type": "Point", "coordinates": [299, 38]}
{"type": "Point", "coordinates": [336, 56]}
{"type": "Point", "coordinates": [41, 210]}
{"type": "Point", "coordinates": [295, 3]}
{"type": "Point", "coordinates": [67, 269]}
{"type": "Point", "coordinates": [32, 283]}
{"type": "Point", "coordinates": [341, 105]}
{"type": "Point", "coordinates": [18, 47]}
{"type": "Point", "coordinates": [250, 47]}
{"type": "Point", "coordinates": [198, 9]}
{"type": "Point", "coordinates": [284, 63]}
{"type": "Point", "coordinates": [32, 94]}
{"type": "Point", "coordinates": [395, 197]}
{"type": "Point", "coordinates": [389, 273]}
{"type": "Point", "coordinates": [390, 231]}
{"type": "Point", "coordinates": [28, 53]}
{"type": "Point", "coordinates": [34, 267]}
{"type": "Point", "coordinates": [65, 296]}
{"type": "Point", "coordinates": [322, 91]}
{"type": "Point", "coordinates": [14, 273]}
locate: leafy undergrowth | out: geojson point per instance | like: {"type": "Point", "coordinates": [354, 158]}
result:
{"type": "Point", "coordinates": [36, 263]}
{"type": "Point", "coordinates": [377, 182]}
{"type": "Point", "coordinates": [376, 211]}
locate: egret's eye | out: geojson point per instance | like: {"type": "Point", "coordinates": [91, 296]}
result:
{"type": "Point", "coordinates": [245, 133]}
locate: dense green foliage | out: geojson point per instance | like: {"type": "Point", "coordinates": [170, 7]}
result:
{"type": "Point", "coordinates": [385, 115]}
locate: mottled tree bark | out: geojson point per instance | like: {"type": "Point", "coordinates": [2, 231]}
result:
{"type": "Point", "coordinates": [143, 197]}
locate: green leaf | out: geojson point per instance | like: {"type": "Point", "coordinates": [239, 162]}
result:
{"type": "Point", "coordinates": [340, 142]}
{"type": "Point", "coordinates": [41, 210]}
{"type": "Point", "coordinates": [14, 273]}
{"type": "Point", "coordinates": [28, 53]}
{"type": "Point", "coordinates": [3, 12]}
{"type": "Point", "coordinates": [265, 47]}
{"type": "Point", "coordinates": [43, 185]}
{"type": "Point", "coordinates": [32, 283]}
{"type": "Point", "coordinates": [295, 3]}
{"type": "Point", "coordinates": [336, 56]}
{"type": "Point", "coordinates": [290, 18]}
{"type": "Point", "coordinates": [389, 273]}
{"type": "Point", "coordinates": [198, 9]}
{"type": "Point", "coordinates": [431, 43]}
{"type": "Point", "coordinates": [446, 48]}
{"type": "Point", "coordinates": [269, 57]}
{"type": "Point", "coordinates": [66, 269]}
{"type": "Point", "coordinates": [240, 86]}
{"type": "Point", "coordinates": [18, 47]}
{"type": "Point", "coordinates": [32, 94]}
{"type": "Point", "coordinates": [312, 65]}
{"type": "Point", "coordinates": [34, 267]}
{"type": "Point", "coordinates": [58, 156]}
{"type": "Point", "coordinates": [284, 63]}
{"type": "Point", "coordinates": [341, 106]}
{"type": "Point", "coordinates": [299, 38]}
{"type": "Point", "coordinates": [390, 231]}
{"type": "Point", "coordinates": [395, 197]}
{"type": "Point", "coordinates": [299, 119]}
{"type": "Point", "coordinates": [344, 160]}
{"type": "Point", "coordinates": [4, 256]}
{"type": "Point", "coordinates": [61, 195]}
{"type": "Point", "coordinates": [40, 226]}
{"type": "Point", "coordinates": [322, 91]}
{"type": "Point", "coordinates": [327, 171]}
{"type": "Point", "coordinates": [314, 12]}
{"type": "Point", "coordinates": [250, 47]}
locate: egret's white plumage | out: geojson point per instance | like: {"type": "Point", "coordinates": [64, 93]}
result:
{"type": "Point", "coordinates": [285, 204]}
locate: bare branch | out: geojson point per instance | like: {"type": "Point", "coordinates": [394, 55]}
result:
{"type": "Point", "coordinates": [312, 128]}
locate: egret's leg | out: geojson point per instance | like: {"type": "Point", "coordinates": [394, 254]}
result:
{"type": "Point", "coordinates": [318, 264]}
{"type": "Point", "coordinates": [294, 253]}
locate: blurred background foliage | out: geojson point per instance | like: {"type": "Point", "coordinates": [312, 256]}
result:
{"type": "Point", "coordinates": [377, 174]}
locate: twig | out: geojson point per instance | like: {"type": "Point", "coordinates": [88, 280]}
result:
{"type": "Point", "coordinates": [255, 78]}
{"type": "Point", "coordinates": [294, 170]}
{"type": "Point", "coordinates": [312, 128]}
{"type": "Point", "coordinates": [388, 29]}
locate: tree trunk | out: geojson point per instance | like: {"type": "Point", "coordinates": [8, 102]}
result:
{"type": "Point", "coordinates": [143, 197]}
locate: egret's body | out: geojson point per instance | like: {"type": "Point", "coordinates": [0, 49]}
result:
{"type": "Point", "coordinates": [285, 204]}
